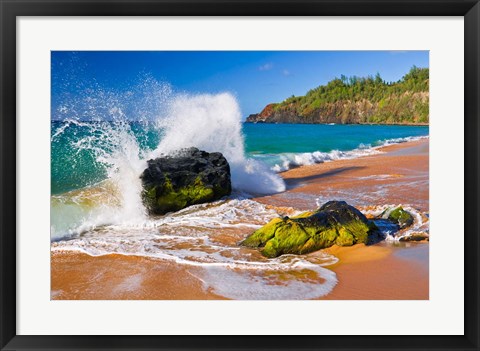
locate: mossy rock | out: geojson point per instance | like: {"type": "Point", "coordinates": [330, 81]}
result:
{"type": "Point", "coordinates": [190, 177]}
{"type": "Point", "coordinates": [166, 198]}
{"type": "Point", "coordinates": [401, 217]}
{"type": "Point", "coordinates": [415, 237]}
{"type": "Point", "coordinates": [335, 222]}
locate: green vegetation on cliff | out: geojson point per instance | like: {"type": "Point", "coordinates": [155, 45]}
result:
{"type": "Point", "coordinates": [357, 100]}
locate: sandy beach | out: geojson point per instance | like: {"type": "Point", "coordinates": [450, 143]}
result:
{"type": "Point", "coordinates": [380, 272]}
{"type": "Point", "coordinates": [397, 174]}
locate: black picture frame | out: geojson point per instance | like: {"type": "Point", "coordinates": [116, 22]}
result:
{"type": "Point", "coordinates": [10, 10]}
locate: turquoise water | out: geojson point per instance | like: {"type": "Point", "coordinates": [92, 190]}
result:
{"type": "Point", "coordinates": [77, 146]}
{"type": "Point", "coordinates": [300, 138]}
{"type": "Point", "coordinates": [79, 149]}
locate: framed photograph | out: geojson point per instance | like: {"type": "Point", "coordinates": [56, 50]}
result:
{"type": "Point", "coordinates": [259, 175]}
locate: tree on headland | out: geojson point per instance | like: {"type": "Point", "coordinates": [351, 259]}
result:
{"type": "Point", "coordinates": [360, 100]}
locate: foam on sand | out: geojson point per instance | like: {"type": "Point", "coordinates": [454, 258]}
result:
{"type": "Point", "coordinates": [190, 237]}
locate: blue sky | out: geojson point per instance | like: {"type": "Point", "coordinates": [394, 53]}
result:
{"type": "Point", "coordinates": [256, 78]}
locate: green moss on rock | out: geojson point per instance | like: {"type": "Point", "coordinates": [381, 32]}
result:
{"type": "Point", "coordinates": [190, 177]}
{"type": "Point", "coordinates": [336, 222]}
{"type": "Point", "coordinates": [400, 217]}
{"type": "Point", "coordinates": [167, 198]}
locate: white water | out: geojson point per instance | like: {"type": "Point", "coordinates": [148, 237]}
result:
{"type": "Point", "coordinates": [291, 160]}
{"type": "Point", "coordinates": [195, 237]}
{"type": "Point", "coordinates": [391, 232]}
{"type": "Point", "coordinates": [116, 200]}
{"type": "Point", "coordinates": [213, 123]}
{"type": "Point", "coordinates": [208, 122]}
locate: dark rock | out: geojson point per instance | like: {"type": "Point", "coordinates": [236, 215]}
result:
{"type": "Point", "coordinates": [415, 237]}
{"type": "Point", "coordinates": [399, 216]}
{"type": "Point", "coordinates": [190, 177]}
{"type": "Point", "coordinates": [335, 222]}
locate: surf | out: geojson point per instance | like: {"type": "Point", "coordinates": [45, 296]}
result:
{"type": "Point", "coordinates": [113, 138]}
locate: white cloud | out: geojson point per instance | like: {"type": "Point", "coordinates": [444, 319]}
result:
{"type": "Point", "coordinates": [266, 67]}
{"type": "Point", "coordinates": [286, 72]}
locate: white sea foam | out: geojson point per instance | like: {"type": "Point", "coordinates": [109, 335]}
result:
{"type": "Point", "coordinates": [391, 232]}
{"type": "Point", "coordinates": [192, 237]}
{"type": "Point", "coordinates": [223, 270]}
{"type": "Point", "coordinates": [292, 160]}
{"type": "Point", "coordinates": [208, 122]}
{"type": "Point", "coordinates": [213, 123]}
{"type": "Point", "coordinates": [75, 214]}
{"type": "Point", "coordinates": [309, 158]}
{"type": "Point", "coordinates": [113, 145]}
{"type": "Point", "coordinates": [273, 283]}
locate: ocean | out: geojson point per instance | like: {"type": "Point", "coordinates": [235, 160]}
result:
{"type": "Point", "coordinates": [95, 190]}
{"type": "Point", "coordinates": [79, 148]}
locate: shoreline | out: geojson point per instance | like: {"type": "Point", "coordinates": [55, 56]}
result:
{"type": "Point", "coordinates": [388, 177]}
{"type": "Point", "coordinates": [363, 272]}
{"type": "Point", "coordinates": [348, 124]}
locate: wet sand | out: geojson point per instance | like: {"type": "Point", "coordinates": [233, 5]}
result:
{"type": "Point", "coordinates": [398, 175]}
{"type": "Point", "coordinates": [380, 272]}
{"type": "Point", "coordinates": [119, 277]}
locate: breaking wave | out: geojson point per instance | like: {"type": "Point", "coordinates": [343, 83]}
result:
{"type": "Point", "coordinates": [286, 161]}
{"type": "Point", "coordinates": [98, 133]}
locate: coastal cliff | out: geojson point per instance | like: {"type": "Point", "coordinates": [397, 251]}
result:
{"type": "Point", "coordinates": [356, 100]}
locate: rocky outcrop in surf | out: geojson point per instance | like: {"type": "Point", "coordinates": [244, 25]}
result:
{"type": "Point", "coordinates": [403, 219]}
{"type": "Point", "coordinates": [399, 216]}
{"type": "Point", "coordinates": [189, 177]}
{"type": "Point", "coordinates": [335, 223]}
